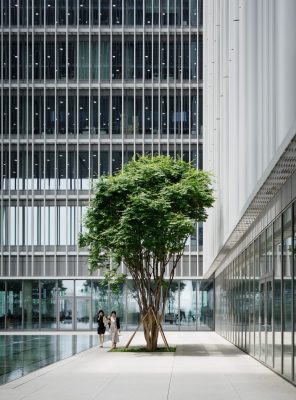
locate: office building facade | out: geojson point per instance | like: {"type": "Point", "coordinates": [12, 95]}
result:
{"type": "Point", "coordinates": [85, 86]}
{"type": "Point", "coordinates": [250, 145]}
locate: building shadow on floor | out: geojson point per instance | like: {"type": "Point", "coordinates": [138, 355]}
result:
{"type": "Point", "coordinates": [207, 350]}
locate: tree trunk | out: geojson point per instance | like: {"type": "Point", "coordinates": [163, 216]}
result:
{"type": "Point", "coordinates": [151, 331]}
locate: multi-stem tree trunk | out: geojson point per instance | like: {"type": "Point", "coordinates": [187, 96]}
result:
{"type": "Point", "coordinates": [151, 329]}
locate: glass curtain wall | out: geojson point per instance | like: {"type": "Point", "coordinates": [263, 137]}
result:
{"type": "Point", "coordinates": [95, 12]}
{"type": "Point", "coordinates": [267, 295]}
{"type": "Point", "coordinates": [90, 95]}
{"type": "Point", "coordinates": [68, 304]}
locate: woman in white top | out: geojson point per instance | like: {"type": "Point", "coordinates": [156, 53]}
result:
{"type": "Point", "coordinates": [114, 326]}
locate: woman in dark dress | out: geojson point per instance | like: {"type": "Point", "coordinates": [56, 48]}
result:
{"type": "Point", "coordinates": [102, 322]}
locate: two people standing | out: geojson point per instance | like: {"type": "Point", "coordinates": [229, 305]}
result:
{"type": "Point", "coordinates": [114, 327]}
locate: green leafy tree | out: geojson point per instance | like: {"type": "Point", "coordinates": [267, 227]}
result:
{"type": "Point", "coordinates": [142, 217]}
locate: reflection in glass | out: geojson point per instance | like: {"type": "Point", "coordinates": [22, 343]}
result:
{"type": "Point", "coordinates": [66, 313]}
{"type": "Point", "coordinates": [277, 299]}
{"type": "Point", "coordinates": [117, 303]}
{"type": "Point", "coordinates": [82, 288]}
{"type": "Point", "coordinates": [66, 288]}
{"type": "Point", "coordinates": [100, 300]}
{"type": "Point", "coordinates": [257, 298]}
{"type": "Point", "coordinates": [268, 322]}
{"type": "Point", "coordinates": [2, 305]}
{"type": "Point", "coordinates": [133, 314]}
{"type": "Point", "coordinates": [205, 305]}
{"type": "Point", "coordinates": [48, 303]}
{"type": "Point", "coordinates": [188, 305]}
{"type": "Point", "coordinates": [171, 315]}
{"type": "Point", "coordinates": [14, 301]}
{"type": "Point", "coordinates": [294, 316]}
{"type": "Point", "coordinates": [252, 296]}
{"type": "Point", "coordinates": [105, 6]}
{"type": "Point", "coordinates": [31, 304]}
{"type": "Point", "coordinates": [83, 313]}
{"type": "Point", "coordinates": [287, 292]}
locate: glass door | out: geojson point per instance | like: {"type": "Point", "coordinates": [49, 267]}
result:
{"type": "Point", "coordinates": [266, 345]}
{"type": "Point", "coordinates": [65, 313]}
{"type": "Point", "coordinates": [188, 305]}
{"type": "Point", "coordinates": [83, 313]}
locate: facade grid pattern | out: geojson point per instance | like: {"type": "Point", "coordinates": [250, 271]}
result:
{"type": "Point", "coordinates": [85, 86]}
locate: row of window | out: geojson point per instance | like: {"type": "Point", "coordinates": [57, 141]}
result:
{"type": "Point", "coordinates": [49, 225]}
{"type": "Point", "coordinates": [141, 59]}
{"type": "Point", "coordinates": [74, 169]}
{"type": "Point", "coordinates": [256, 297]}
{"type": "Point", "coordinates": [101, 12]}
{"type": "Point", "coordinates": [126, 114]}
{"type": "Point", "coordinates": [77, 265]}
{"type": "Point", "coordinates": [38, 226]}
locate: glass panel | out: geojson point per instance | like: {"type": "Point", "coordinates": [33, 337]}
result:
{"type": "Point", "coordinates": [129, 12]}
{"type": "Point", "coordinates": [72, 60]}
{"type": "Point", "coordinates": [117, 12]}
{"type": "Point", "coordinates": [100, 301]}
{"type": "Point", "coordinates": [188, 305]}
{"type": "Point", "coordinates": [257, 298]}
{"type": "Point", "coordinates": [82, 288]}
{"type": "Point", "coordinates": [129, 116]}
{"type": "Point", "coordinates": [83, 12]}
{"type": "Point", "coordinates": [66, 288]}
{"type": "Point", "coordinates": [31, 304]}
{"type": "Point", "coordinates": [133, 314]}
{"type": "Point", "coordinates": [171, 315]}
{"type": "Point", "coordinates": [194, 12]}
{"type": "Point", "coordinates": [294, 244]}
{"type": "Point", "coordinates": [262, 321]}
{"type": "Point", "coordinates": [117, 303]}
{"type": "Point", "coordinates": [251, 297]}
{"type": "Point", "coordinates": [269, 250]}
{"type": "Point", "coordinates": [277, 314]}
{"type": "Point", "coordinates": [2, 305]}
{"type": "Point", "coordinates": [247, 300]}
{"type": "Point", "coordinates": [105, 61]}
{"type": "Point", "coordinates": [129, 60]}
{"type": "Point", "coordinates": [287, 293]}
{"type": "Point", "coordinates": [244, 302]}
{"type": "Point", "coordinates": [104, 115]}
{"type": "Point", "coordinates": [116, 115]}
{"type": "Point", "coordinates": [83, 313]}
{"type": "Point", "coordinates": [83, 60]}
{"type": "Point", "coordinates": [139, 12]}
{"type": "Point", "coordinates": [66, 313]}
{"type": "Point", "coordinates": [262, 254]}
{"type": "Point", "coordinates": [105, 5]}
{"type": "Point", "coordinates": [61, 11]}
{"type": "Point", "coordinates": [14, 301]}
{"type": "Point", "coordinates": [269, 333]}
{"type": "Point", "coordinates": [117, 60]}
{"type": "Point", "coordinates": [205, 305]}
{"type": "Point", "coordinates": [48, 304]}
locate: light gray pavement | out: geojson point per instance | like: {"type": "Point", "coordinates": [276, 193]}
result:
{"type": "Point", "coordinates": [204, 367]}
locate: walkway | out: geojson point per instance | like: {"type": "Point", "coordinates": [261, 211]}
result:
{"type": "Point", "coordinates": [204, 367]}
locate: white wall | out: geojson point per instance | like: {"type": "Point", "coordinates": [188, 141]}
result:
{"type": "Point", "coordinates": [249, 101]}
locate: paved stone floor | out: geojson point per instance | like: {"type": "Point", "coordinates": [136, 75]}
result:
{"type": "Point", "coordinates": [204, 367]}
